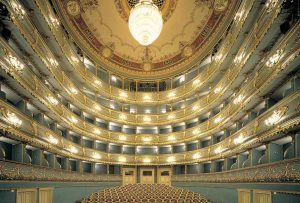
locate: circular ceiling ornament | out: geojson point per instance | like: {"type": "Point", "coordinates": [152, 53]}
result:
{"type": "Point", "coordinates": [147, 66]}
{"type": "Point", "coordinates": [145, 22]}
{"type": "Point", "coordinates": [73, 8]}
{"type": "Point", "coordinates": [220, 5]}
{"type": "Point", "coordinates": [106, 52]}
{"type": "Point", "coordinates": [187, 51]}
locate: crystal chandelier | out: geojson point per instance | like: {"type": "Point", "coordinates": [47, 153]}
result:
{"type": "Point", "coordinates": [145, 22]}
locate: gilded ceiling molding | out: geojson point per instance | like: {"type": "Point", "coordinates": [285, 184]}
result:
{"type": "Point", "coordinates": [133, 97]}
{"type": "Point", "coordinates": [81, 27]}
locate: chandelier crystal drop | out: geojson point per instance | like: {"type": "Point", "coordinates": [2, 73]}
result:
{"type": "Point", "coordinates": [145, 22]}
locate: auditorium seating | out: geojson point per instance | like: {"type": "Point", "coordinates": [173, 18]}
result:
{"type": "Point", "coordinates": [145, 193]}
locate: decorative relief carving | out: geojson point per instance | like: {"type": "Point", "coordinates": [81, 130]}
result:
{"type": "Point", "coordinates": [220, 5]}
{"type": "Point", "coordinates": [73, 8]}
{"type": "Point", "coordinates": [166, 7]}
{"type": "Point", "coordinates": [203, 2]}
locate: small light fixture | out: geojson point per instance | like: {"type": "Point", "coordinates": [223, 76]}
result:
{"type": "Point", "coordinates": [219, 150]}
{"type": "Point", "coordinates": [240, 139]}
{"type": "Point", "coordinates": [196, 82]}
{"type": "Point", "coordinates": [274, 118]}
{"type": "Point", "coordinates": [171, 159]}
{"type": "Point", "coordinates": [96, 155]}
{"type": "Point", "coordinates": [146, 97]}
{"type": "Point", "coordinates": [195, 107]}
{"type": "Point", "coordinates": [270, 5]}
{"type": "Point", "coordinates": [274, 59]}
{"type": "Point", "coordinates": [171, 116]}
{"type": "Point", "coordinates": [114, 78]}
{"type": "Point", "coordinates": [73, 150]}
{"type": "Point", "coordinates": [122, 159]}
{"type": "Point", "coordinates": [196, 156]}
{"type": "Point", "coordinates": [52, 100]}
{"type": "Point", "coordinates": [14, 120]}
{"type": "Point", "coordinates": [73, 120]}
{"type": "Point", "coordinates": [218, 119]}
{"type": "Point", "coordinates": [19, 66]}
{"type": "Point", "coordinates": [171, 138]}
{"type": "Point", "coordinates": [238, 58]}
{"type": "Point", "coordinates": [123, 94]}
{"type": "Point", "coordinates": [146, 119]}
{"type": "Point", "coordinates": [146, 160]}
{"type": "Point", "coordinates": [238, 99]}
{"type": "Point", "coordinates": [54, 21]}
{"type": "Point", "coordinates": [182, 79]}
{"type": "Point", "coordinates": [218, 90]}
{"type": "Point", "coordinates": [123, 117]}
{"type": "Point", "coordinates": [196, 131]}
{"type": "Point", "coordinates": [97, 131]}
{"type": "Point", "coordinates": [74, 90]}
{"type": "Point", "coordinates": [239, 15]}
{"type": "Point", "coordinates": [98, 82]}
{"type": "Point", "coordinates": [147, 139]}
{"type": "Point", "coordinates": [18, 9]}
{"type": "Point", "coordinates": [74, 59]}
{"type": "Point", "coordinates": [53, 62]}
{"type": "Point", "coordinates": [97, 107]}
{"type": "Point", "coordinates": [52, 140]}
{"type": "Point", "coordinates": [171, 94]}
{"type": "Point", "coordinates": [218, 57]}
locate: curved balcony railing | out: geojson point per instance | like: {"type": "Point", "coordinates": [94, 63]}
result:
{"type": "Point", "coordinates": [10, 170]}
{"type": "Point", "coordinates": [281, 117]}
{"type": "Point", "coordinates": [264, 77]}
{"type": "Point", "coordinates": [115, 93]}
{"type": "Point", "coordinates": [282, 171]}
{"type": "Point", "coordinates": [160, 119]}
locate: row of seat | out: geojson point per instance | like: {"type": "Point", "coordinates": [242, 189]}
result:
{"type": "Point", "coordinates": [145, 193]}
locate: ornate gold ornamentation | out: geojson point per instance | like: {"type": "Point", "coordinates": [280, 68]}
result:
{"type": "Point", "coordinates": [187, 51]}
{"type": "Point", "coordinates": [167, 7]}
{"type": "Point", "coordinates": [169, 63]}
{"type": "Point", "coordinates": [73, 8]}
{"type": "Point", "coordinates": [106, 52]}
{"type": "Point", "coordinates": [220, 5]}
{"type": "Point", "coordinates": [147, 66]}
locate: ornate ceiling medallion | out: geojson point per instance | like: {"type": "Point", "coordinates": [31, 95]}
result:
{"type": "Point", "coordinates": [166, 7]}
{"type": "Point", "coordinates": [73, 8]}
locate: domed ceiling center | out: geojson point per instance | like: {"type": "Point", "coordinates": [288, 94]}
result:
{"type": "Point", "coordinates": [191, 28]}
